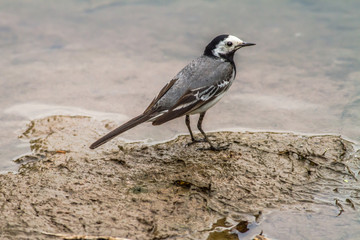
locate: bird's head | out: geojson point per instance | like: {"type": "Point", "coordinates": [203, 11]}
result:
{"type": "Point", "coordinates": [224, 46]}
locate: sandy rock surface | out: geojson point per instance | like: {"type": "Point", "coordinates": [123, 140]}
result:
{"type": "Point", "coordinates": [167, 190]}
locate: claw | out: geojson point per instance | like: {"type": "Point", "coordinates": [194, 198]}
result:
{"type": "Point", "coordinates": [195, 141]}
{"type": "Point", "coordinates": [215, 149]}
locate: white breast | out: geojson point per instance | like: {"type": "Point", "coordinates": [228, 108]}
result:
{"type": "Point", "coordinates": [208, 105]}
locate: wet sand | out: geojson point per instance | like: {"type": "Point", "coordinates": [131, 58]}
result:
{"type": "Point", "coordinates": [114, 57]}
{"type": "Point", "coordinates": [168, 190]}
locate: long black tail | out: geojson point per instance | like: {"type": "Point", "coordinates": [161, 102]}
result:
{"type": "Point", "coordinates": [126, 126]}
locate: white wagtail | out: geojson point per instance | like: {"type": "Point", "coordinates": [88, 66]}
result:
{"type": "Point", "coordinates": [196, 88]}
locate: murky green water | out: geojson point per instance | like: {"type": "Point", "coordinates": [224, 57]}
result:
{"type": "Point", "coordinates": [100, 57]}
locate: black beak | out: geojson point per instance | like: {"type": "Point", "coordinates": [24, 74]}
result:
{"type": "Point", "coordinates": [245, 44]}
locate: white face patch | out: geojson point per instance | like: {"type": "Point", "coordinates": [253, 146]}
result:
{"type": "Point", "coordinates": [229, 44]}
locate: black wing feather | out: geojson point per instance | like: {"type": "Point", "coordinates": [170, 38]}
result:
{"type": "Point", "coordinates": [190, 101]}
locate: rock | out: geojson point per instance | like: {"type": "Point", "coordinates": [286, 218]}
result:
{"type": "Point", "coordinates": [166, 190]}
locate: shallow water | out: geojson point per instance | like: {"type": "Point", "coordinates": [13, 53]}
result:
{"type": "Point", "coordinates": [324, 224]}
{"type": "Point", "coordinates": [108, 59]}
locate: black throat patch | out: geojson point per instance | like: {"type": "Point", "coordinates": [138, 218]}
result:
{"type": "Point", "coordinates": [229, 58]}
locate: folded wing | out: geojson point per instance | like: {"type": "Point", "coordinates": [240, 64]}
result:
{"type": "Point", "coordinates": [192, 100]}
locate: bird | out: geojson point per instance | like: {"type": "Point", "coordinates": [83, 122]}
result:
{"type": "Point", "coordinates": [195, 89]}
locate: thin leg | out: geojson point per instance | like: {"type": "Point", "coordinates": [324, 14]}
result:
{"type": "Point", "coordinates": [201, 118]}
{"type": "Point", "coordinates": [193, 140]}
{"type": "Point", "coordinates": [187, 122]}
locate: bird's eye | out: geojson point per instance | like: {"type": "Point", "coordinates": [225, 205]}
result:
{"type": "Point", "coordinates": [229, 44]}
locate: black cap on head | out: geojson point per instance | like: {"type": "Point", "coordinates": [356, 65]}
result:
{"type": "Point", "coordinates": [212, 45]}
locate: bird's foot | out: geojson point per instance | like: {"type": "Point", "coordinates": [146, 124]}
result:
{"type": "Point", "coordinates": [195, 141]}
{"type": "Point", "coordinates": [211, 148]}
{"type": "Point", "coordinates": [216, 149]}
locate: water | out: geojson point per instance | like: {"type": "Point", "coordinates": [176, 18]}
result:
{"type": "Point", "coordinates": [108, 59]}
{"type": "Point", "coordinates": [313, 226]}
